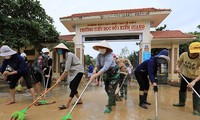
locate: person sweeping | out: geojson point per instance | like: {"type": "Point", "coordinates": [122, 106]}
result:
{"type": "Point", "coordinates": [123, 81]}
{"type": "Point", "coordinates": [13, 68]}
{"type": "Point", "coordinates": [74, 71]}
{"type": "Point", "coordinates": [188, 65]}
{"type": "Point", "coordinates": [106, 66]}
{"type": "Point", "coordinates": [145, 71]}
{"type": "Point", "coordinates": [47, 73]}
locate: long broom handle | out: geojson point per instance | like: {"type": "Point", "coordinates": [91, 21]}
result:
{"type": "Point", "coordinates": [47, 82]}
{"type": "Point", "coordinates": [48, 77]}
{"type": "Point", "coordinates": [122, 84]}
{"type": "Point", "coordinates": [156, 104]}
{"type": "Point", "coordinates": [42, 95]}
{"type": "Point", "coordinates": [79, 97]}
{"type": "Point", "coordinates": [188, 83]}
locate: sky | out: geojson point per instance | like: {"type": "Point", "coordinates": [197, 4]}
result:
{"type": "Point", "coordinates": [184, 15]}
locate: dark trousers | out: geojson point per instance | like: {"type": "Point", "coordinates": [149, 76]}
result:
{"type": "Point", "coordinates": [74, 84]}
{"type": "Point", "coordinates": [183, 86]}
{"type": "Point", "coordinates": [143, 80]}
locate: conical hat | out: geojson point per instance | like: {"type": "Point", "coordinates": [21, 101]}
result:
{"type": "Point", "coordinates": [61, 46]}
{"type": "Point", "coordinates": [102, 44]}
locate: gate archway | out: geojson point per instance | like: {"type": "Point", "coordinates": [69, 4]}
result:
{"type": "Point", "coordinates": [132, 24]}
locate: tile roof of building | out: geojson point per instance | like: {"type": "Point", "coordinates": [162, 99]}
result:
{"type": "Point", "coordinates": [155, 34]}
{"type": "Point", "coordinates": [115, 12]}
{"type": "Point", "coordinates": [67, 37]}
{"type": "Point", "coordinates": [170, 34]}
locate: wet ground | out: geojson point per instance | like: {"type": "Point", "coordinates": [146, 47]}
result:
{"type": "Point", "coordinates": [95, 100]}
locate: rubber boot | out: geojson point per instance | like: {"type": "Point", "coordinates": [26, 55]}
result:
{"type": "Point", "coordinates": [111, 101]}
{"type": "Point", "coordinates": [145, 99]}
{"type": "Point", "coordinates": [125, 92]}
{"type": "Point", "coordinates": [121, 95]}
{"type": "Point", "coordinates": [142, 104]}
{"type": "Point", "coordinates": [125, 96]}
{"type": "Point", "coordinates": [182, 99]}
{"type": "Point", "coordinates": [196, 104]}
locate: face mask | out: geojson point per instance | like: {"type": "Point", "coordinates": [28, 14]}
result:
{"type": "Point", "coordinates": [7, 57]}
{"type": "Point", "coordinates": [102, 51]}
{"type": "Point", "coordinates": [45, 55]}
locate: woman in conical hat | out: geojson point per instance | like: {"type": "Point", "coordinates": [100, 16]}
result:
{"type": "Point", "coordinates": [106, 66]}
{"type": "Point", "coordinates": [74, 71]}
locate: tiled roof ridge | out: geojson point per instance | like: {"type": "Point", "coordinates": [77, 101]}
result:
{"type": "Point", "coordinates": [151, 9]}
{"type": "Point", "coordinates": [171, 34]}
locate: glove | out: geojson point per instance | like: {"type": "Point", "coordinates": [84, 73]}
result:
{"type": "Point", "coordinates": [155, 88]}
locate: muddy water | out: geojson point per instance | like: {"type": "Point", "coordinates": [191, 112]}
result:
{"type": "Point", "coordinates": [95, 100]}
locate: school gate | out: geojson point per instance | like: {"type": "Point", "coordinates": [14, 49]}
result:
{"type": "Point", "coordinates": [127, 25]}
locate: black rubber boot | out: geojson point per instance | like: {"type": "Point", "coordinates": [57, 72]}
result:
{"type": "Point", "coordinates": [196, 104]}
{"type": "Point", "coordinates": [182, 99]}
{"type": "Point", "coordinates": [142, 104]}
{"type": "Point", "coordinates": [122, 95]}
{"type": "Point", "coordinates": [145, 99]}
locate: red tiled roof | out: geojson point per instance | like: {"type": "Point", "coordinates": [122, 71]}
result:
{"type": "Point", "coordinates": [115, 12]}
{"type": "Point", "coordinates": [155, 34]}
{"type": "Point", "coordinates": [170, 34]}
{"type": "Point", "coordinates": [67, 37]}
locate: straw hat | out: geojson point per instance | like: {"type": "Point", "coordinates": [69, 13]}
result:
{"type": "Point", "coordinates": [102, 44]}
{"type": "Point", "coordinates": [61, 46]}
{"type": "Point", "coordinates": [6, 51]}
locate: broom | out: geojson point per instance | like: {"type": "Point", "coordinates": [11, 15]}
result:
{"type": "Point", "coordinates": [68, 116]}
{"type": "Point", "coordinates": [187, 83]}
{"type": "Point", "coordinates": [20, 115]}
{"type": "Point", "coordinates": [117, 97]}
{"type": "Point", "coordinates": [44, 102]}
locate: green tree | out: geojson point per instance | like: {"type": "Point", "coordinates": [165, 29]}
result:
{"type": "Point", "coordinates": [24, 23]}
{"type": "Point", "coordinates": [124, 52]}
{"type": "Point", "coordinates": [131, 57]}
{"type": "Point", "coordinates": [161, 28]}
{"type": "Point", "coordinates": [184, 47]}
{"type": "Point", "coordinates": [88, 59]}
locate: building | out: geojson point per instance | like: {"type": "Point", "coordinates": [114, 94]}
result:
{"type": "Point", "coordinates": [127, 25]}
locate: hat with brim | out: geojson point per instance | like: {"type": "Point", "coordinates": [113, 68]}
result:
{"type": "Point", "coordinates": [103, 44]}
{"type": "Point", "coordinates": [194, 47]}
{"type": "Point", "coordinates": [61, 46]}
{"type": "Point", "coordinates": [6, 51]}
{"type": "Point", "coordinates": [165, 57]}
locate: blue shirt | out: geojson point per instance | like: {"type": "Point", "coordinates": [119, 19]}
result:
{"type": "Point", "coordinates": [16, 62]}
{"type": "Point", "coordinates": [148, 67]}
{"type": "Point", "coordinates": [90, 68]}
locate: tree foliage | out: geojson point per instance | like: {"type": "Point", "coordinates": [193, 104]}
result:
{"type": "Point", "coordinates": [88, 59]}
{"type": "Point", "coordinates": [124, 52]}
{"type": "Point", "coordinates": [184, 47]}
{"type": "Point", "coordinates": [161, 28]}
{"type": "Point", "coordinates": [24, 23]}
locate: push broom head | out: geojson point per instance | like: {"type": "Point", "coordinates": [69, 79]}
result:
{"type": "Point", "coordinates": [19, 115]}
{"type": "Point", "coordinates": [67, 117]}
{"type": "Point", "coordinates": [42, 102]}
